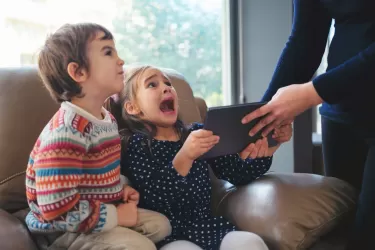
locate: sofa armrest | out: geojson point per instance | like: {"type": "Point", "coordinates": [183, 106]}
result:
{"type": "Point", "coordinates": [289, 211]}
{"type": "Point", "coordinates": [13, 233]}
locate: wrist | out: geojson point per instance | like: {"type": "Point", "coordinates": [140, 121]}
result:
{"type": "Point", "coordinates": [182, 163]}
{"type": "Point", "coordinates": [312, 95]}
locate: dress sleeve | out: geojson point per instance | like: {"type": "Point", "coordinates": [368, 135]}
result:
{"type": "Point", "coordinates": [237, 171]}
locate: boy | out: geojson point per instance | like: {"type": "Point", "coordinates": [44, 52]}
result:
{"type": "Point", "coordinates": [73, 174]}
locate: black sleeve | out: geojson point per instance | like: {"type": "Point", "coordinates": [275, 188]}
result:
{"type": "Point", "coordinates": [303, 52]}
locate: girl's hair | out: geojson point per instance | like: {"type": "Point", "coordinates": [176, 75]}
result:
{"type": "Point", "coordinates": [132, 124]}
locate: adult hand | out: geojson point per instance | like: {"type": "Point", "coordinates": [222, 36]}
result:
{"type": "Point", "coordinates": [286, 104]}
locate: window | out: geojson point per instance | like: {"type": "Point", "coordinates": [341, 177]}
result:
{"type": "Point", "coordinates": [185, 35]}
{"type": "Point", "coordinates": [322, 68]}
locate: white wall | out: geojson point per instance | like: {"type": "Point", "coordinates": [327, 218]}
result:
{"type": "Point", "coordinates": [266, 26]}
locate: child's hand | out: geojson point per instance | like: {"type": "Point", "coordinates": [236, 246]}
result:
{"type": "Point", "coordinates": [127, 215]}
{"type": "Point", "coordinates": [130, 195]}
{"type": "Point", "coordinates": [198, 142]}
{"type": "Point", "coordinates": [256, 150]}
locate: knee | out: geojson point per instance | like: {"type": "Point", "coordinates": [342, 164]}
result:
{"type": "Point", "coordinates": [242, 240]}
{"type": "Point", "coordinates": [159, 228]}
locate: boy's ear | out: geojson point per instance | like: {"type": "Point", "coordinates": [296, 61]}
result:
{"type": "Point", "coordinates": [131, 108]}
{"type": "Point", "coordinates": [78, 74]}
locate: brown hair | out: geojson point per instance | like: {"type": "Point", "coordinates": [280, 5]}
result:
{"type": "Point", "coordinates": [68, 44]}
{"type": "Point", "coordinates": [130, 124]}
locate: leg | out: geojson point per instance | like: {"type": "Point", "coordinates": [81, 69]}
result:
{"type": "Point", "coordinates": [153, 225]}
{"type": "Point", "coordinates": [365, 217]}
{"type": "Point", "coordinates": [241, 240]}
{"type": "Point", "coordinates": [344, 153]}
{"type": "Point", "coordinates": [181, 245]}
{"type": "Point", "coordinates": [118, 238]}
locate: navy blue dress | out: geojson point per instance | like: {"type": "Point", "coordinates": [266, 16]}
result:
{"type": "Point", "coordinates": [186, 201]}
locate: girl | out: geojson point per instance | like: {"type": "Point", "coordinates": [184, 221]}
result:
{"type": "Point", "coordinates": [159, 157]}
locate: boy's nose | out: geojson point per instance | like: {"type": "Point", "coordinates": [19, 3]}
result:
{"type": "Point", "coordinates": [121, 62]}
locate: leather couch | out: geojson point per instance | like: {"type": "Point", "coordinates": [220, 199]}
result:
{"type": "Point", "coordinates": [289, 211]}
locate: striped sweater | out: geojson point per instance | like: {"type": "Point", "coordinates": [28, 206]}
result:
{"type": "Point", "coordinates": [73, 173]}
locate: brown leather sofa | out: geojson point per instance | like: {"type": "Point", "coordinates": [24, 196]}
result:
{"type": "Point", "coordinates": [290, 211]}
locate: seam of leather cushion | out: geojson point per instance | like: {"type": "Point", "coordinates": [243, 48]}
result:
{"type": "Point", "coordinates": [12, 177]}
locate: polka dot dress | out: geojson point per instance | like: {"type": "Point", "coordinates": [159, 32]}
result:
{"type": "Point", "coordinates": [186, 201]}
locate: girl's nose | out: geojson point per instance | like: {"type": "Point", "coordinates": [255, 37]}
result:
{"type": "Point", "coordinates": [167, 89]}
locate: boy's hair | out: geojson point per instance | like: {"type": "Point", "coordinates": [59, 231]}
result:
{"type": "Point", "coordinates": [68, 44]}
{"type": "Point", "coordinates": [131, 124]}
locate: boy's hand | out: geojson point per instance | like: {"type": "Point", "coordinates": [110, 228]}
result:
{"type": "Point", "coordinates": [127, 215]}
{"type": "Point", "coordinates": [130, 195]}
{"type": "Point", "coordinates": [198, 142]}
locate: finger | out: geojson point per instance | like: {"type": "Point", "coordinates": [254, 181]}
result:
{"type": "Point", "coordinates": [283, 139]}
{"type": "Point", "coordinates": [134, 198]}
{"type": "Point", "coordinates": [211, 139]}
{"type": "Point", "coordinates": [263, 148]}
{"type": "Point", "coordinates": [126, 194]}
{"type": "Point", "coordinates": [261, 124]}
{"type": "Point", "coordinates": [254, 153]}
{"type": "Point", "coordinates": [207, 145]}
{"type": "Point", "coordinates": [202, 133]}
{"type": "Point", "coordinates": [265, 109]}
{"type": "Point", "coordinates": [270, 127]}
{"type": "Point", "coordinates": [247, 151]}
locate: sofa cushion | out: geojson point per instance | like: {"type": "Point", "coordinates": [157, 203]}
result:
{"type": "Point", "coordinates": [13, 233]}
{"type": "Point", "coordinates": [290, 211]}
{"type": "Point", "coordinates": [25, 108]}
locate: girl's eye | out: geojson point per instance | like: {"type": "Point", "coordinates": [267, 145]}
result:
{"type": "Point", "coordinates": [151, 85]}
{"type": "Point", "coordinates": [108, 53]}
{"type": "Point", "coordinates": [168, 84]}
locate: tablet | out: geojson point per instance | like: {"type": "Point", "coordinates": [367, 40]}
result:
{"type": "Point", "coordinates": [225, 121]}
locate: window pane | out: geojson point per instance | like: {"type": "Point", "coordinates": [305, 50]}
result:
{"type": "Point", "coordinates": [322, 69]}
{"type": "Point", "coordinates": [185, 35]}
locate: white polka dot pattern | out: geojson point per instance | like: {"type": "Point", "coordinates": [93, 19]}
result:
{"type": "Point", "coordinates": [186, 201]}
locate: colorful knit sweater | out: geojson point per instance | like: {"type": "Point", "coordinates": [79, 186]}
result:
{"type": "Point", "coordinates": [73, 173]}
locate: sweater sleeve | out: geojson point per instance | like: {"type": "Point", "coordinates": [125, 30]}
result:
{"type": "Point", "coordinates": [54, 174]}
{"type": "Point", "coordinates": [339, 83]}
{"type": "Point", "coordinates": [303, 52]}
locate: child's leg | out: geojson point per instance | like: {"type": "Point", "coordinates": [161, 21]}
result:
{"type": "Point", "coordinates": [153, 225]}
{"type": "Point", "coordinates": [240, 240]}
{"type": "Point", "coordinates": [118, 238]}
{"type": "Point", "coordinates": [181, 245]}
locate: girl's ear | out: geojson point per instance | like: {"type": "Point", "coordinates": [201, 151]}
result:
{"type": "Point", "coordinates": [132, 108]}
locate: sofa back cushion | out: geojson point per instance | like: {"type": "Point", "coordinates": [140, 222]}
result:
{"type": "Point", "coordinates": [25, 108]}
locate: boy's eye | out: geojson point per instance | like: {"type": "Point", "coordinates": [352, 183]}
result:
{"type": "Point", "coordinates": [151, 85]}
{"type": "Point", "coordinates": [108, 53]}
{"type": "Point", "coordinates": [168, 84]}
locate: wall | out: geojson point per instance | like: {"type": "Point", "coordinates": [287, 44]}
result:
{"type": "Point", "coordinates": [264, 30]}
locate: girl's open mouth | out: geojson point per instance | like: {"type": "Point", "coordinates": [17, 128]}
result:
{"type": "Point", "coordinates": [167, 106]}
